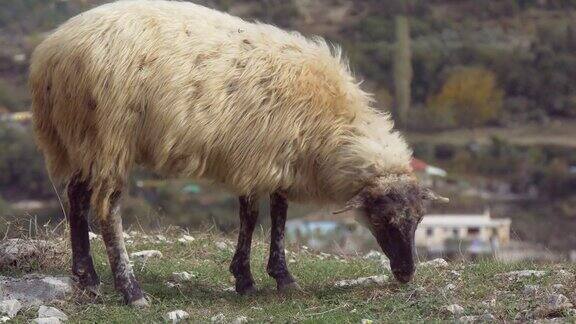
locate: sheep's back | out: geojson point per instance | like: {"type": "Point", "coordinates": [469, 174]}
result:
{"type": "Point", "coordinates": [190, 91]}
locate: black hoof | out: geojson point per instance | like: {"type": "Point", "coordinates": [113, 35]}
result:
{"type": "Point", "coordinates": [245, 288]}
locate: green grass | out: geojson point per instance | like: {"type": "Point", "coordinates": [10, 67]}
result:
{"type": "Point", "coordinates": [480, 288]}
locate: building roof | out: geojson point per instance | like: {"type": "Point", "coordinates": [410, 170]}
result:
{"type": "Point", "coordinates": [421, 166]}
{"type": "Point", "coordinates": [418, 165]}
{"type": "Point", "coordinates": [463, 220]}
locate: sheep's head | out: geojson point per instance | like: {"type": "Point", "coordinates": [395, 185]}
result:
{"type": "Point", "coordinates": [392, 208]}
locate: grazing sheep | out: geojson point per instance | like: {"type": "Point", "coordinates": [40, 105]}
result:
{"type": "Point", "coordinates": [189, 91]}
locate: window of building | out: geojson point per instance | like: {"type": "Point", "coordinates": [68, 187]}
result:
{"type": "Point", "coordinates": [429, 231]}
{"type": "Point", "coordinates": [455, 232]}
{"type": "Point", "coordinates": [473, 230]}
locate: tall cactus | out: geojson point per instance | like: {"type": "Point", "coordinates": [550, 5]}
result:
{"type": "Point", "coordinates": [402, 70]}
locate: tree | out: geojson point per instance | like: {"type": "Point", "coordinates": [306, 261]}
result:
{"type": "Point", "coordinates": [402, 69]}
{"type": "Point", "coordinates": [470, 95]}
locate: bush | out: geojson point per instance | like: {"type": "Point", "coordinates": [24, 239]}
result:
{"type": "Point", "coordinates": [11, 97]}
{"type": "Point", "coordinates": [471, 95]}
{"type": "Point", "coordinates": [427, 120]}
{"type": "Point", "coordinates": [556, 182]}
{"type": "Point", "coordinates": [4, 207]}
{"type": "Point", "coordinates": [22, 171]}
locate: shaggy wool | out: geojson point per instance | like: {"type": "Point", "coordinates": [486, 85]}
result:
{"type": "Point", "coordinates": [192, 92]}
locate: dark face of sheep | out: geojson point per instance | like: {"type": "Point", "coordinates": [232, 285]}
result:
{"type": "Point", "coordinates": [392, 213]}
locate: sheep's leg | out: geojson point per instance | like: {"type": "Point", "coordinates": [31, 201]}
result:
{"type": "Point", "coordinates": [111, 227]}
{"type": "Point", "coordinates": [79, 195]}
{"type": "Point", "coordinates": [277, 268]}
{"type": "Point", "coordinates": [240, 266]}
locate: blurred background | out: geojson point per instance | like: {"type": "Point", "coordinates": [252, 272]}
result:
{"type": "Point", "coordinates": [485, 92]}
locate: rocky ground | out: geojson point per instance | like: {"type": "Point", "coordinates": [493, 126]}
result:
{"type": "Point", "coordinates": [187, 279]}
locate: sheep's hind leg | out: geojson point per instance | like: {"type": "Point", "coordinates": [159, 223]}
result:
{"type": "Point", "coordinates": [240, 266]}
{"type": "Point", "coordinates": [79, 194]}
{"type": "Point", "coordinates": [111, 227]}
{"type": "Point", "coordinates": [277, 268]}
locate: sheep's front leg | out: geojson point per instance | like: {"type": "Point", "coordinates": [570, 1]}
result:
{"type": "Point", "coordinates": [240, 266]}
{"type": "Point", "coordinates": [277, 268]}
{"type": "Point", "coordinates": [111, 227]}
{"type": "Point", "coordinates": [79, 195]}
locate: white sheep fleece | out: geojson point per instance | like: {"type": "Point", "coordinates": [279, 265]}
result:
{"type": "Point", "coordinates": [189, 91]}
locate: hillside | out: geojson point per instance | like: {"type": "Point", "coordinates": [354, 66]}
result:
{"type": "Point", "coordinates": [486, 291]}
{"type": "Point", "coordinates": [493, 103]}
{"type": "Point", "coordinates": [512, 39]}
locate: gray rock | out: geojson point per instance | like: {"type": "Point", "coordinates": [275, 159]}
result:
{"type": "Point", "coordinates": [29, 254]}
{"type": "Point", "coordinates": [468, 319]}
{"type": "Point", "coordinates": [487, 318]}
{"type": "Point", "coordinates": [46, 311]}
{"type": "Point", "coordinates": [46, 320]}
{"type": "Point", "coordinates": [35, 289]}
{"type": "Point", "coordinates": [449, 287]}
{"type": "Point", "coordinates": [373, 255]}
{"type": "Point", "coordinates": [454, 274]}
{"type": "Point", "coordinates": [186, 239]}
{"type": "Point", "coordinates": [176, 316]}
{"type": "Point", "coordinates": [558, 286]}
{"type": "Point", "coordinates": [221, 245]}
{"type": "Point", "coordinates": [436, 263]}
{"type": "Point", "coordinates": [240, 320]}
{"type": "Point", "coordinates": [363, 281]}
{"type": "Point", "coordinates": [565, 275]}
{"type": "Point", "coordinates": [530, 290]}
{"type": "Point", "coordinates": [454, 309]}
{"type": "Point", "coordinates": [556, 305]}
{"type": "Point", "coordinates": [523, 316]}
{"type": "Point", "coordinates": [484, 318]}
{"type": "Point", "coordinates": [145, 255]}
{"type": "Point", "coordinates": [220, 318]}
{"type": "Point", "coordinates": [385, 264]}
{"type": "Point", "coordinates": [183, 276]}
{"type": "Point", "coordinates": [558, 320]}
{"type": "Point", "coordinates": [488, 303]}
{"type": "Point", "coordinates": [559, 301]}
{"type": "Point", "coordinates": [419, 290]}
{"type": "Point", "coordinates": [524, 274]}
{"type": "Point", "coordinates": [10, 307]}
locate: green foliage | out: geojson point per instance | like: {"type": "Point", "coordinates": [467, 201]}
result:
{"type": "Point", "coordinates": [556, 181]}
{"type": "Point", "coordinates": [426, 120]}
{"type": "Point", "coordinates": [22, 172]}
{"type": "Point", "coordinates": [278, 12]}
{"type": "Point", "coordinates": [39, 14]}
{"type": "Point", "coordinates": [4, 209]}
{"type": "Point", "coordinates": [402, 70]}
{"type": "Point", "coordinates": [377, 28]}
{"type": "Point", "coordinates": [12, 97]}
{"type": "Point", "coordinates": [471, 95]}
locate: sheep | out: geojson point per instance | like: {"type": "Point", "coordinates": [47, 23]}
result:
{"type": "Point", "coordinates": [188, 91]}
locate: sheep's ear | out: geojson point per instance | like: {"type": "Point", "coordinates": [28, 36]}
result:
{"type": "Point", "coordinates": [428, 194]}
{"type": "Point", "coordinates": [354, 203]}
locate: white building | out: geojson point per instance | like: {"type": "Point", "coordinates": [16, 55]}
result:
{"type": "Point", "coordinates": [481, 232]}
